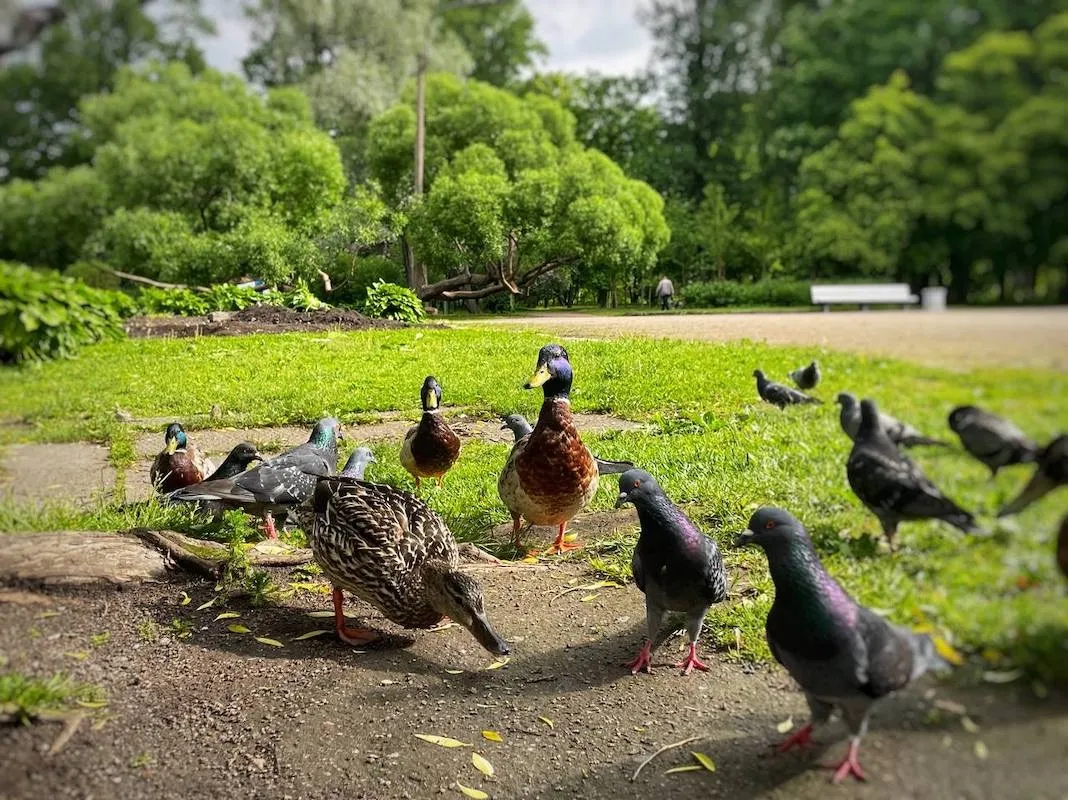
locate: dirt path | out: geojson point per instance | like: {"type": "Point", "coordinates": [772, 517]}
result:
{"type": "Point", "coordinates": [222, 715]}
{"type": "Point", "coordinates": [955, 339]}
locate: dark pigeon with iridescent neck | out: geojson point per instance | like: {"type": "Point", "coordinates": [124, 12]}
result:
{"type": "Point", "coordinates": [891, 485]}
{"type": "Point", "coordinates": [277, 486]}
{"type": "Point", "coordinates": [779, 394]}
{"type": "Point", "coordinates": [519, 427]}
{"type": "Point", "coordinates": [674, 564]}
{"type": "Point", "coordinates": [844, 655]}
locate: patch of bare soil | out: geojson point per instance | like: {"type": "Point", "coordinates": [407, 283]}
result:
{"type": "Point", "coordinates": [220, 714]}
{"type": "Point", "coordinates": [255, 319]}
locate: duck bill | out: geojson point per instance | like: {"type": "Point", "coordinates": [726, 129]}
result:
{"type": "Point", "coordinates": [487, 637]}
{"type": "Point", "coordinates": [540, 376]}
{"type": "Point", "coordinates": [431, 401]}
{"type": "Point", "coordinates": [744, 539]}
{"type": "Point", "coordinates": [1037, 488]}
{"type": "Point", "coordinates": [622, 500]}
{"type": "Point", "coordinates": [172, 446]}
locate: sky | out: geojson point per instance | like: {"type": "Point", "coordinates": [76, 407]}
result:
{"type": "Point", "coordinates": [582, 35]}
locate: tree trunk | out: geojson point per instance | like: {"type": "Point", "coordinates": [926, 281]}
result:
{"type": "Point", "coordinates": [414, 272]}
{"type": "Point", "coordinates": [960, 269]}
{"type": "Point", "coordinates": [602, 298]}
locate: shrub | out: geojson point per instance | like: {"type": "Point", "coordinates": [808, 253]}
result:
{"type": "Point", "coordinates": [390, 301]}
{"type": "Point", "coordinates": [352, 277]}
{"type": "Point", "coordinates": [183, 302]}
{"type": "Point", "coordinates": [718, 294]}
{"type": "Point", "coordinates": [300, 297]}
{"type": "Point", "coordinates": [44, 315]}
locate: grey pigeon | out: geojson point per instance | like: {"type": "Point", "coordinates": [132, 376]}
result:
{"type": "Point", "coordinates": [900, 433]}
{"type": "Point", "coordinates": [674, 564]}
{"type": "Point", "coordinates": [277, 486]}
{"type": "Point", "coordinates": [991, 439]}
{"type": "Point", "coordinates": [519, 427]}
{"type": "Point", "coordinates": [779, 394]}
{"type": "Point", "coordinates": [891, 485]}
{"type": "Point", "coordinates": [236, 461]}
{"type": "Point", "coordinates": [807, 377]}
{"type": "Point", "coordinates": [1051, 472]}
{"type": "Point", "coordinates": [357, 463]}
{"type": "Point", "coordinates": [844, 655]}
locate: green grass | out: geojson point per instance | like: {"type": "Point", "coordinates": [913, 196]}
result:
{"type": "Point", "coordinates": [715, 448]}
{"type": "Point", "coordinates": [27, 698]}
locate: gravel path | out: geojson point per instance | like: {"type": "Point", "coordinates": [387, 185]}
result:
{"type": "Point", "coordinates": [1025, 338]}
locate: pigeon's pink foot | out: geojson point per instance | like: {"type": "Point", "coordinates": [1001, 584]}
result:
{"type": "Point", "coordinates": [849, 765]}
{"type": "Point", "coordinates": [353, 636]}
{"type": "Point", "coordinates": [268, 526]}
{"type": "Point", "coordinates": [692, 662]}
{"type": "Point", "coordinates": [644, 661]}
{"type": "Point", "coordinates": [802, 739]}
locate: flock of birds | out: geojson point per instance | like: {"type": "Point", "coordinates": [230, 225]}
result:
{"type": "Point", "coordinates": [390, 549]}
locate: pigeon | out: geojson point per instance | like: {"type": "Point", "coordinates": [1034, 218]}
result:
{"type": "Point", "coordinates": [236, 462]}
{"type": "Point", "coordinates": [676, 566]}
{"type": "Point", "coordinates": [891, 485]}
{"type": "Point", "coordinates": [844, 655]}
{"type": "Point", "coordinates": [991, 439]}
{"type": "Point", "coordinates": [779, 395]}
{"type": "Point", "coordinates": [357, 463]}
{"type": "Point", "coordinates": [277, 486]}
{"type": "Point", "coordinates": [1051, 472]}
{"type": "Point", "coordinates": [900, 433]}
{"type": "Point", "coordinates": [519, 427]}
{"type": "Point", "coordinates": [807, 377]}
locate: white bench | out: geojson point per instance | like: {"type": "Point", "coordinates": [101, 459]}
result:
{"type": "Point", "coordinates": [862, 294]}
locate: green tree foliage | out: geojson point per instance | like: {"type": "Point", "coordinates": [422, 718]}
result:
{"type": "Point", "coordinates": [511, 195]}
{"type": "Point", "coordinates": [499, 37]}
{"type": "Point", "coordinates": [40, 125]}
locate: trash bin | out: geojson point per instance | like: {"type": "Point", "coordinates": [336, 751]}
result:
{"type": "Point", "coordinates": [933, 298]}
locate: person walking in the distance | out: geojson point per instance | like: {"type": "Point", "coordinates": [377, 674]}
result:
{"type": "Point", "coordinates": [665, 290]}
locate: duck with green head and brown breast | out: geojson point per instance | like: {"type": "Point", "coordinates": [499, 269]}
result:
{"type": "Point", "coordinates": [430, 448]}
{"type": "Point", "coordinates": [550, 474]}
{"type": "Point", "coordinates": [179, 464]}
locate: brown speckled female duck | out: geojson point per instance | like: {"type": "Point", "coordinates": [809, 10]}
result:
{"type": "Point", "coordinates": [430, 448]}
{"type": "Point", "coordinates": [179, 464]}
{"type": "Point", "coordinates": [550, 475]}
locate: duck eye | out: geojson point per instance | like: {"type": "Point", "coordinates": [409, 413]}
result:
{"type": "Point", "coordinates": [770, 524]}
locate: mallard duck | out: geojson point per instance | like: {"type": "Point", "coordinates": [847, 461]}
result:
{"type": "Point", "coordinates": [391, 550]}
{"type": "Point", "coordinates": [430, 448]}
{"type": "Point", "coordinates": [179, 464]}
{"type": "Point", "coordinates": [518, 425]}
{"type": "Point", "coordinates": [550, 474]}
{"type": "Point", "coordinates": [277, 486]}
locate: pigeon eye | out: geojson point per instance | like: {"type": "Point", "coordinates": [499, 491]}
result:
{"type": "Point", "coordinates": [770, 524]}
{"type": "Point", "coordinates": [636, 484]}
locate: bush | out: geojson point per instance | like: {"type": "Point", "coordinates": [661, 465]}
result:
{"type": "Point", "coordinates": [352, 277]}
{"type": "Point", "coordinates": [183, 302]}
{"type": "Point", "coordinates": [44, 315]}
{"type": "Point", "coordinates": [390, 301]}
{"type": "Point", "coordinates": [720, 294]}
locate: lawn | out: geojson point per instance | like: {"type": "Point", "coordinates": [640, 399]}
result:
{"type": "Point", "coordinates": [713, 445]}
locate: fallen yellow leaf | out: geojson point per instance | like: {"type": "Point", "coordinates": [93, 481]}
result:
{"type": "Point", "coordinates": [482, 765]}
{"type": "Point", "coordinates": [319, 614]}
{"type": "Point", "coordinates": [208, 604]}
{"type": "Point", "coordinates": [1005, 676]}
{"type": "Point", "coordinates": [454, 671]}
{"type": "Point", "coordinates": [226, 615]}
{"type": "Point", "coordinates": [268, 640]}
{"type": "Point", "coordinates": [705, 761]}
{"type": "Point", "coordinates": [589, 597]}
{"type": "Point", "coordinates": [237, 629]}
{"type": "Point", "coordinates": [547, 721]}
{"type": "Point", "coordinates": [309, 635]}
{"type": "Point", "coordinates": [474, 794]}
{"type": "Point", "coordinates": [981, 751]}
{"type": "Point", "coordinates": [93, 703]}
{"type": "Point", "coordinates": [498, 663]}
{"type": "Point", "coordinates": [186, 599]}
{"type": "Point", "coordinates": [442, 741]}
{"type": "Point", "coordinates": [969, 725]}
{"type": "Point", "coordinates": [947, 651]}
{"type": "Point", "coordinates": [786, 725]}
{"type": "Point", "coordinates": [687, 768]}
{"type": "Point", "coordinates": [492, 736]}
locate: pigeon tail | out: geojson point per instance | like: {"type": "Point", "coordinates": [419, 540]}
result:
{"type": "Point", "coordinates": [925, 656]}
{"type": "Point", "coordinates": [605, 467]}
{"type": "Point", "coordinates": [922, 441]}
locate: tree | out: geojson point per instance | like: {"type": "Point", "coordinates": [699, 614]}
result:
{"type": "Point", "coordinates": [511, 195]}
{"type": "Point", "coordinates": [352, 59]}
{"type": "Point", "coordinates": [39, 122]}
{"type": "Point", "coordinates": [498, 36]}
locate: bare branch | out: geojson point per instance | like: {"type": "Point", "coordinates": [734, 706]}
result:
{"type": "Point", "coordinates": [126, 276]}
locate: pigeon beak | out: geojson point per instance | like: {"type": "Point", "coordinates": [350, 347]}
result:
{"type": "Point", "coordinates": [744, 539]}
{"type": "Point", "coordinates": [1037, 488]}
{"type": "Point", "coordinates": [540, 376]}
{"type": "Point", "coordinates": [504, 427]}
{"type": "Point", "coordinates": [622, 500]}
